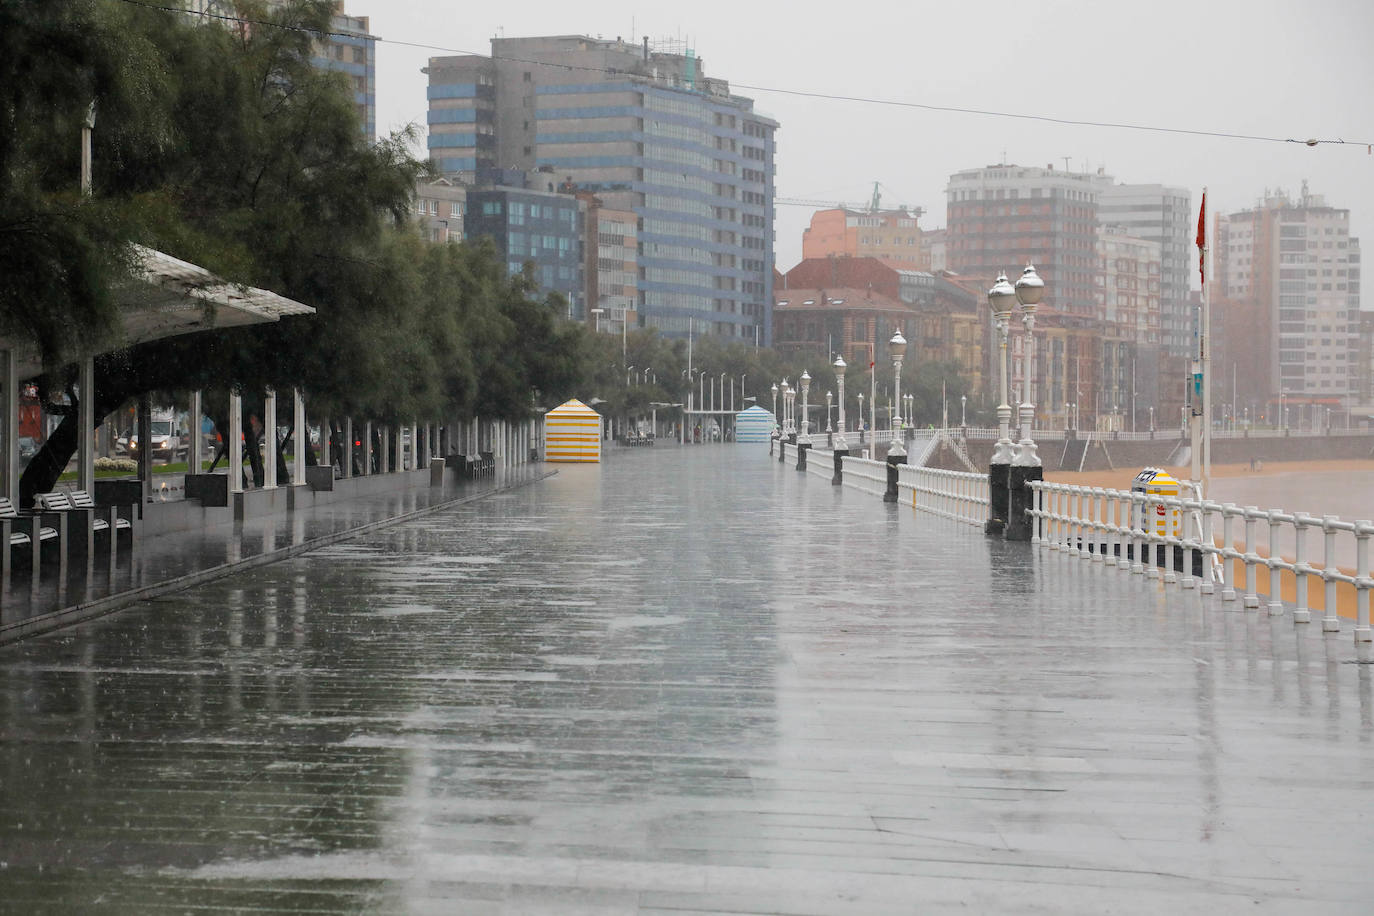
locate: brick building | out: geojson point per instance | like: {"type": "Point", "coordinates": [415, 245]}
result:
{"type": "Point", "coordinates": [891, 235]}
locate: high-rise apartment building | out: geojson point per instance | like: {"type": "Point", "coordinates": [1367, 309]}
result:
{"type": "Point", "coordinates": [645, 130]}
{"type": "Point", "coordinates": [1162, 215]}
{"type": "Point", "coordinates": [1288, 285]}
{"type": "Point", "coordinates": [539, 228]}
{"type": "Point", "coordinates": [1128, 283]}
{"type": "Point", "coordinates": [612, 272]}
{"type": "Point", "coordinates": [1001, 217]}
{"type": "Point", "coordinates": [891, 235]}
{"type": "Point", "coordinates": [351, 49]}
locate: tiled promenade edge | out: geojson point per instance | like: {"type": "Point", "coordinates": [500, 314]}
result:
{"type": "Point", "coordinates": [689, 680]}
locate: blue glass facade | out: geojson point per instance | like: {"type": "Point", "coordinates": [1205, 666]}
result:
{"type": "Point", "coordinates": [350, 50]}
{"type": "Point", "coordinates": [699, 173]}
{"type": "Point", "coordinates": [645, 133]}
{"type": "Point", "coordinates": [532, 226]}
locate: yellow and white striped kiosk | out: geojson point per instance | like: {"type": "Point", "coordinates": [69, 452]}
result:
{"type": "Point", "coordinates": [572, 432]}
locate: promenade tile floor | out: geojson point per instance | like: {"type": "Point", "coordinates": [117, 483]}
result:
{"type": "Point", "coordinates": [687, 680]}
{"type": "Point", "coordinates": [176, 555]}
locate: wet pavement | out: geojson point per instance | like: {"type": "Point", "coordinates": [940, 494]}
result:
{"type": "Point", "coordinates": [687, 680]}
{"type": "Point", "coordinates": [177, 558]}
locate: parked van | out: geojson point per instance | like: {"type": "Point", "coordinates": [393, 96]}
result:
{"type": "Point", "coordinates": [167, 441]}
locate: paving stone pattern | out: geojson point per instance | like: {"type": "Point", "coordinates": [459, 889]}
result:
{"type": "Point", "coordinates": [687, 680]}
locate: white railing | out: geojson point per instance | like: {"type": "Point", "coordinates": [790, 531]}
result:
{"type": "Point", "coordinates": [1162, 433]}
{"type": "Point", "coordinates": [1101, 525]}
{"type": "Point", "coordinates": [959, 495]}
{"type": "Point", "coordinates": [865, 474]}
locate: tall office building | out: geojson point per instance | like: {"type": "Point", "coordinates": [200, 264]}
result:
{"type": "Point", "coordinates": [350, 49]}
{"type": "Point", "coordinates": [1162, 215]}
{"type": "Point", "coordinates": [645, 130]}
{"type": "Point", "coordinates": [1002, 216]}
{"type": "Point", "coordinates": [539, 228]}
{"type": "Point", "coordinates": [1288, 289]}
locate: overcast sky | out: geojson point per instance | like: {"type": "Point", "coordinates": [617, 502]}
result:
{"type": "Point", "coordinates": [1275, 68]}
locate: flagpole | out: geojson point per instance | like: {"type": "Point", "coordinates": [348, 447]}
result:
{"type": "Point", "coordinates": [1207, 365]}
{"type": "Point", "coordinates": [1197, 430]}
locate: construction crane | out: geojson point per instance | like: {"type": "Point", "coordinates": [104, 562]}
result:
{"type": "Point", "coordinates": [873, 205]}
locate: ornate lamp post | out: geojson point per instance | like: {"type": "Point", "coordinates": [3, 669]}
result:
{"type": "Point", "coordinates": [1026, 465]}
{"type": "Point", "coordinates": [1000, 299]}
{"type": "Point", "coordinates": [896, 453]}
{"type": "Point", "coordinates": [840, 446]}
{"type": "Point", "coordinates": [1029, 290]}
{"type": "Point", "coordinates": [804, 436]}
{"type": "Point", "coordinates": [897, 345]}
{"type": "Point", "coordinates": [861, 418]}
{"type": "Point", "coordinates": [829, 405]}
{"type": "Point", "coordinates": [786, 418]}
{"type": "Point", "coordinates": [777, 428]}
{"type": "Point", "coordinates": [963, 410]}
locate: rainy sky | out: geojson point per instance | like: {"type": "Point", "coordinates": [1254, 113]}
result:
{"type": "Point", "coordinates": [1261, 67]}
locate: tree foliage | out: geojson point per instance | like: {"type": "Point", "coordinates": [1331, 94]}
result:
{"type": "Point", "coordinates": [226, 147]}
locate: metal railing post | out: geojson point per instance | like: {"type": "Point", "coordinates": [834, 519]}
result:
{"type": "Point", "coordinates": [1301, 612]}
{"type": "Point", "coordinates": [1208, 547]}
{"type": "Point", "coordinates": [1228, 553]}
{"type": "Point", "coordinates": [1331, 623]}
{"type": "Point", "coordinates": [1275, 565]}
{"type": "Point", "coordinates": [1251, 598]}
{"type": "Point", "coordinates": [1363, 531]}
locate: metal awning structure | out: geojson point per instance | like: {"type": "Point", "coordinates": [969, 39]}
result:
{"type": "Point", "coordinates": [163, 297]}
{"type": "Point", "coordinates": [167, 297]}
{"type": "Point", "coordinates": [171, 297]}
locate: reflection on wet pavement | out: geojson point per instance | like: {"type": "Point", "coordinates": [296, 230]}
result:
{"type": "Point", "coordinates": [685, 680]}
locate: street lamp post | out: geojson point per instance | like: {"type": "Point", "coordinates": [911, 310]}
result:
{"type": "Point", "coordinates": [777, 427]}
{"type": "Point", "coordinates": [829, 405]}
{"type": "Point", "coordinates": [1029, 290]}
{"type": "Point", "coordinates": [896, 453]}
{"type": "Point", "coordinates": [840, 445]}
{"type": "Point", "coordinates": [804, 437]}
{"type": "Point", "coordinates": [1000, 299]}
{"type": "Point", "coordinates": [861, 418]}
{"type": "Point", "coordinates": [963, 411]}
{"type": "Point", "coordinates": [596, 319]}
{"type": "Point", "coordinates": [1026, 465]}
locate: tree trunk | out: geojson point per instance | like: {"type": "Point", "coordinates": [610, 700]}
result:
{"type": "Point", "coordinates": [283, 472]}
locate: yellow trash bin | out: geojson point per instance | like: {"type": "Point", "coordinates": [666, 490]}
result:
{"type": "Point", "coordinates": [1154, 518]}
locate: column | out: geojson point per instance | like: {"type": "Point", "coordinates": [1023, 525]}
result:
{"type": "Point", "coordinates": [145, 449]}
{"type": "Point", "coordinates": [269, 437]}
{"type": "Point", "coordinates": [9, 377]}
{"type": "Point", "coordinates": [367, 448]}
{"type": "Point", "coordinates": [347, 455]}
{"type": "Point", "coordinates": [234, 435]}
{"type": "Point", "coordinates": [85, 428]}
{"type": "Point", "coordinates": [302, 438]}
{"type": "Point", "coordinates": [326, 458]}
{"type": "Point", "coordinates": [195, 452]}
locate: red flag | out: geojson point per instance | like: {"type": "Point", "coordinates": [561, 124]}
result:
{"type": "Point", "coordinates": [1202, 240]}
{"type": "Point", "coordinates": [870, 364]}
